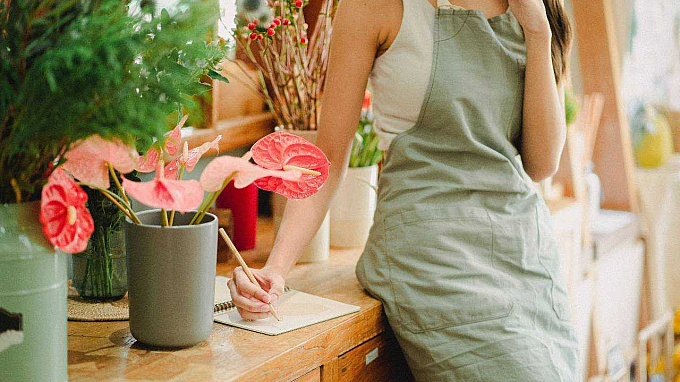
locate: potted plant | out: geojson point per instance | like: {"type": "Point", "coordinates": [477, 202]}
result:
{"type": "Point", "coordinates": [355, 200]}
{"type": "Point", "coordinates": [69, 71]}
{"type": "Point", "coordinates": [290, 61]}
{"type": "Point", "coordinates": [172, 249]}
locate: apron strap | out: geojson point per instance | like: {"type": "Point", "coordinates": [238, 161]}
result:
{"type": "Point", "coordinates": [447, 4]}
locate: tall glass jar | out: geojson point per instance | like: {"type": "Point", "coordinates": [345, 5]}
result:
{"type": "Point", "coordinates": [100, 271]}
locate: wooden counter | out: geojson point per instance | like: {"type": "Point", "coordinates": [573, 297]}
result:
{"type": "Point", "coordinates": [101, 351]}
{"type": "Point", "coordinates": [336, 350]}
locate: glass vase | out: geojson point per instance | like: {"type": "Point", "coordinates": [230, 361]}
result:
{"type": "Point", "coordinates": [100, 272]}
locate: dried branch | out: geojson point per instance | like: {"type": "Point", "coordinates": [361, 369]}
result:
{"type": "Point", "coordinates": [291, 65]}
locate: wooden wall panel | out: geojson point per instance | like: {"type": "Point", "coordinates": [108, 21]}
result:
{"type": "Point", "coordinates": [600, 72]}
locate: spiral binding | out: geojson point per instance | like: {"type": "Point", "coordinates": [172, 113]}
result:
{"type": "Point", "coordinates": [224, 306]}
{"type": "Point", "coordinates": [230, 304]}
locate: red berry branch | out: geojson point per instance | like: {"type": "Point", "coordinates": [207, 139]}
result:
{"type": "Point", "coordinates": [291, 62]}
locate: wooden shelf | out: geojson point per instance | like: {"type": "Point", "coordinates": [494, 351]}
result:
{"type": "Point", "coordinates": [236, 132]}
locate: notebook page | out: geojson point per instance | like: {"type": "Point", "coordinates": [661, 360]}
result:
{"type": "Point", "coordinates": [296, 310]}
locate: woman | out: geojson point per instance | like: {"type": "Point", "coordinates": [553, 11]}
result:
{"type": "Point", "coordinates": [461, 252]}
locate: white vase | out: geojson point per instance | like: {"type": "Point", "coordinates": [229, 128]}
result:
{"type": "Point", "coordinates": [353, 207]}
{"type": "Point", "coordinates": [319, 248]}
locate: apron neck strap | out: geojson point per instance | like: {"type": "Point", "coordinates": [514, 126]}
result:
{"type": "Point", "coordinates": [443, 3]}
{"type": "Point", "coordinates": [447, 4]}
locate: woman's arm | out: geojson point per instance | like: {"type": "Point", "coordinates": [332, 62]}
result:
{"type": "Point", "coordinates": [544, 127]}
{"type": "Point", "coordinates": [356, 38]}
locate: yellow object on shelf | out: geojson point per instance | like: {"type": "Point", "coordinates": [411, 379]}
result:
{"type": "Point", "coordinates": [656, 145]}
{"type": "Point", "coordinates": [659, 367]}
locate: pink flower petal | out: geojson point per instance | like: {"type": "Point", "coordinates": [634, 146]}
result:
{"type": "Point", "coordinates": [280, 149]}
{"type": "Point", "coordinates": [88, 170]}
{"type": "Point", "coordinates": [171, 171]}
{"type": "Point", "coordinates": [219, 169]}
{"type": "Point", "coordinates": [76, 236]}
{"type": "Point", "coordinates": [179, 195]}
{"type": "Point", "coordinates": [196, 153]}
{"type": "Point", "coordinates": [268, 151]}
{"type": "Point", "coordinates": [147, 163]}
{"type": "Point", "coordinates": [73, 194]}
{"type": "Point", "coordinates": [174, 139]}
{"type": "Point", "coordinates": [53, 212]}
{"type": "Point", "coordinates": [187, 194]}
{"type": "Point", "coordinates": [59, 195]}
{"type": "Point", "coordinates": [88, 160]}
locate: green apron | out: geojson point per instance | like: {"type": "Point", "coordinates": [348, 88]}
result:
{"type": "Point", "coordinates": [462, 253]}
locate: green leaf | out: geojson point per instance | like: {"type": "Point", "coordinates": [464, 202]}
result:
{"type": "Point", "coordinates": [94, 68]}
{"type": "Point", "coordinates": [217, 76]}
{"type": "Point", "coordinates": [197, 88]}
{"type": "Point", "coordinates": [50, 80]}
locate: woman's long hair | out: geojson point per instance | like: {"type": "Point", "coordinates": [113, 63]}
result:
{"type": "Point", "coordinates": [561, 36]}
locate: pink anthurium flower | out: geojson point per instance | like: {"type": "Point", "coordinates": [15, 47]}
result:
{"type": "Point", "coordinates": [171, 145]}
{"type": "Point", "coordinates": [174, 139]}
{"type": "Point", "coordinates": [285, 151]}
{"type": "Point", "coordinates": [244, 172]}
{"type": "Point", "coordinates": [88, 161]}
{"type": "Point", "coordinates": [67, 223]}
{"type": "Point", "coordinates": [148, 161]}
{"type": "Point", "coordinates": [179, 195]}
{"type": "Point", "coordinates": [190, 158]}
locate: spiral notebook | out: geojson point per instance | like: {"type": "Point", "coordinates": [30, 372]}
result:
{"type": "Point", "coordinates": [296, 310]}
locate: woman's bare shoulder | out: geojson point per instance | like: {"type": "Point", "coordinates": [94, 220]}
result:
{"type": "Point", "coordinates": [373, 7]}
{"type": "Point", "coordinates": [381, 18]}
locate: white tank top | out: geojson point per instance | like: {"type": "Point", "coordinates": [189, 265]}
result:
{"type": "Point", "coordinates": [400, 76]}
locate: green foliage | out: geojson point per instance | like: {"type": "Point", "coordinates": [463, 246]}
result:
{"type": "Point", "coordinates": [570, 107]}
{"type": "Point", "coordinates": [73, 68]}
{"type": "Point", "coordinates": [365, 146]}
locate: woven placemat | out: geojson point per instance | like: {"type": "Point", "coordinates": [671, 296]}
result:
{"type": "Point", "coordinates": [79, 309]}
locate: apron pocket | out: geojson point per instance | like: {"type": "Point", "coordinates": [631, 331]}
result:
{"type": "Point", "coordinates": [441, 267]}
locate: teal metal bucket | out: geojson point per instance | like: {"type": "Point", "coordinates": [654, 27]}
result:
{"type": "Point", "coordinates": [32, 299]}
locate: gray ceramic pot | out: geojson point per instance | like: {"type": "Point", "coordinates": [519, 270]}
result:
{"type": "Point", "coordinates": [171, 279]}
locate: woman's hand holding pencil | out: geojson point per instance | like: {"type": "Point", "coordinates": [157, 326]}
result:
{"type": "Point", "coordinates": [254, 300]}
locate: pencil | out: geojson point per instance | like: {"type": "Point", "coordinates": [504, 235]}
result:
{"type": "Point", "coordinates": [231, 246]}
